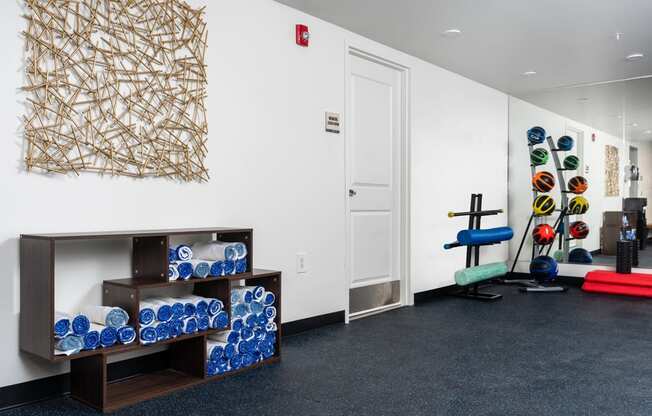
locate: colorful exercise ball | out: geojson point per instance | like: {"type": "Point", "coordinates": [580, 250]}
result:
{"type": "Point", "coordinates": [572, 162]}
{"type": "Point", "coordinates": [578, 185]}
{"type": "Point", "coordinates": [543, 205]}
{"type": "Point", "coordinates": [539, 156]}
{"type": "Point", "coordinates": [536, 135]}
{"type": "Point", "coordinates": [558, 256]}
{"type": "Point", "coordinates": [579, 230]}
{"type": "Point", "coordinates": [578, 206]}
{"type": "Point", "coordinates": [580, 255]}
{"type": "Point", "coordinates": [544, 269]}
{"type": "Point", "coordinates": [543, 234]}
{"type": "Point", "coordinates": [565, 143]}
{"type": "Point", "coordinates": [543, 182]}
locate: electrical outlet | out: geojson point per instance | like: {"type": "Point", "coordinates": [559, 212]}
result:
{"type": "Point", "coordinates": [302, 265]}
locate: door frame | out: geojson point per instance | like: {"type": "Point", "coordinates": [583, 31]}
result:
{"type": "Point", "coordinates": [580, 147]}
{"type": "Point", "coordinates": [407, 295]}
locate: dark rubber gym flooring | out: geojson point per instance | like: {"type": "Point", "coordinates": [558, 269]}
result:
{"type": "Point", "coordinates": [527, 354]}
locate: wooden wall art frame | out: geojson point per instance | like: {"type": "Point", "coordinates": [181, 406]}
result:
{"type": "Point", "coordinates": [116, 87]}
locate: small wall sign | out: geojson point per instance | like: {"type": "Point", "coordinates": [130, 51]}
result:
{"type": "Point", "coordinates": [333, 123]}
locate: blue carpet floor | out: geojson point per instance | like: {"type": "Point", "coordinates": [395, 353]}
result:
{"type": "Point", "coordinates": [528, 354]}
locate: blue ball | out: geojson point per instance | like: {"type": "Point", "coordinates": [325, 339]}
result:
{"type": "Point", "coordinates": [544, 269]}
{"type": "Point", "coordinates": [565, 143]}
{"type": "Point", "coordinates": [536, 135]}
{"type": "Point", "coordinates": [580, 255]}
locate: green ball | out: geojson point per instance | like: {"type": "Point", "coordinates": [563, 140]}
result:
{"type": "Point", "coordinates": [539, 157]}
{"type": "Point", "coordinates": [572, 162]}
{"type": "Point", "coordinates": [559, 255]}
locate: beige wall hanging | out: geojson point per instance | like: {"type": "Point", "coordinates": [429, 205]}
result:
{"type": "Point", "coordinates": [611, 171]}
{"type": "Point", "coordinates": [116, 87]}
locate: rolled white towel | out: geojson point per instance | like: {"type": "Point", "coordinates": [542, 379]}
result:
{"type": "Point", "coordinates": [215, 250]}
{"type": "Point", "coordinates": [106, 315]}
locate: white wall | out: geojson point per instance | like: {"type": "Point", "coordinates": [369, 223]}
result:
{"type": "Point", "coordinates": [645, 166]}
{"type": "Point", "coordinates": [272, 168]}
{"type": "Point", "coordinates": [522, 116]}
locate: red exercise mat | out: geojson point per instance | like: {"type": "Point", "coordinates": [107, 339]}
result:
{"type": "Point", "coordinates": [634, 284]}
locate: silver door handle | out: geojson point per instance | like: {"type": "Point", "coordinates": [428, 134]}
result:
{"type": "Point", "coordinates": [352, 192]}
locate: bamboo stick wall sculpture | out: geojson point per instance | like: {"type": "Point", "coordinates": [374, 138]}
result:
{"type": "Point", "coordinates": [116, 87]}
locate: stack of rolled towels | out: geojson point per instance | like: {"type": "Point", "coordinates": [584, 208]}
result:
{"type": "Point", "coordinates": [164, 318]}
{"type": "Point", "coordinates": [93, 327]}
{"type": "Point", "coordinates": [252, 337]}
{"type": "Point", "coordinates": [214, 259]}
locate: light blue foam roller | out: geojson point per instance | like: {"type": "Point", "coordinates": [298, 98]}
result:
{"type": "Point", "coordinates": [478, 274]}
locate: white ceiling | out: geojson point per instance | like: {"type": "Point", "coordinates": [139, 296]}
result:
{"type": "Point", "coordinates": [567, 42]}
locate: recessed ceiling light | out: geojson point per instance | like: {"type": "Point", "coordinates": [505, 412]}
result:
{"type": "Point", "coordinates": [619, 35]}
{"type": "Point", "coordinates": [634, 124]}
{"type": "Point", "coordinates": [648, 131]}
{"type": "Point", "coordinates": [451, 33]}
{"type": "Point", "coordinates": [634, 57]}
{"type": "Point", "coordinates": [529, 73]}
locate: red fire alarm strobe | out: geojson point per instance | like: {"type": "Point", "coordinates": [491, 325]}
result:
{"type": "Point", "coordinates": [303, 36]}
{"type": "Point", "coordinates": [593, 137]}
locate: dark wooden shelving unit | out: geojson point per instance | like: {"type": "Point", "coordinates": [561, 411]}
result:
{"type": "Point", "coordinates": [183, 363]}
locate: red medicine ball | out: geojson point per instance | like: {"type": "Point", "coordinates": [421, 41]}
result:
{"type": "Point", "coordinates": [579, 230]}
{"type": "Point", "coordinates": [543, 234]}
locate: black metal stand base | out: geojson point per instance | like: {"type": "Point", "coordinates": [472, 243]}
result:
{"type": "Point", "coordinates": [534, 286]}
{"type": "Point", "coordinates": [483, 296]}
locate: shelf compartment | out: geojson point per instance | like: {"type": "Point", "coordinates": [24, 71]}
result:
{"type": "Point", "coordinates": [146, 386]}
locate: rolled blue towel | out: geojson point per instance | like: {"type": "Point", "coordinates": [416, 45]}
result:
{"type": "Point", "coordinates": [190, 325]}
{"type": "Point", "coordinates": [202, 308]}
{"type": "Point", "coordinates": [146, 315]}
{"type": "Point", "coordinates": [214, 350]}
{"type": "Point", "coordinates": [184, 252]}
{"type": "Point", "coordinates": [185, 269]}
{"type": "Point", "coordinates": [256, 307]}
{"type": "Point", "coordinates": [229, 351]}
{"type": "Point", "coordinates": [259, 333]}
{"type": "Point", "coordinates": [200, 268]}
{"type": "Point", "coordinates": [271, 327]}
{"type": "Point", "coordinates": [189, 308]}
{"type": "Point", "coordinates": [242, 294]}
{"type": "Point", "coordinates": [220, 321]}
{"type": "Point", "coordinates": [269, 298]}
{"type": "Point", "coordinates": [222, 365]}
{"type": "Point", "coordinates": [162, 310]}
{"type": "Point", "coordinates": [251, 320]}
{"type": "Point", "coordinates": [106, 315]}
{"type": "Point", "coordinates": [203, 323]}
{"type": "Point", "coordinates": [240, 266]}
{"type": "Point", "coordinates": [214, 306]}
{"type": "Point", "coordinates": [162, 331]}
{"type": "Point", "coordinates": [61, 325]}
{"type": "Point", "coordinates": [248, 360]}
{"type": "Point", "coordinates": [271, 337]}
{"type": "Point", "coordinates": [178, 307]}
{"type": "Point", "coordinates": [172, 255]}
{"type": "Point", "coordinates": [173, 272]}
{"type": "Point", "coordinates": [80, 325]}
{"type": "Point", "coordinates": [229, 267]}
{"type": "Point", "coordinates": [241, 250]}
{"type": "Point", "coordinates": [247, 334]}
{"type": "Point", "coordinates": [176, 328]}
{"type": "Point", "coordinates": [261, 320]}
{"type": "Point", "coordinates": [270, 312]}
{"type": "Point", "coordinates": [243, 347]}
{"type": "Point", "coordinates": [201, 304]}
{"type": "Point", "coordinates": [236, 362]}
{"type": "Point", "coordinates": [258, 292]}
{"type": "Point", "coordinates": [217, 269]}
{"type": "Point", "coordinates": [211, 368]}
{"type": "Point", "coordinates": [237, 324]}
{"type": "Point", "coordinates": [268, 351]}
{"type": "Point", "coordinates": [147, 334]}
{"type": "Point", "coordinates": [108, 335]}
{"type": "Point", "coordinates": [239, 310]}
{"type": "Point", "coordinates": [70, 344]}
{"type": "Point", "coordinates": [91, 340]}
{"type": "Point", "coordinates": [126, 334]}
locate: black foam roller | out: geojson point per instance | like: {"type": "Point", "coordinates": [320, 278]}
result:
{"type": "Point", "coordinates": [624, 256]}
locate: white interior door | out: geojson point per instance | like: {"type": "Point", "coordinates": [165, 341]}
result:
{"type": "Point", "coordinates": [373, 166]}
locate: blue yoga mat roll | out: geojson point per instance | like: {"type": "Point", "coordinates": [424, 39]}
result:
{"type": "Point", "coordinates": [488, 236]}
